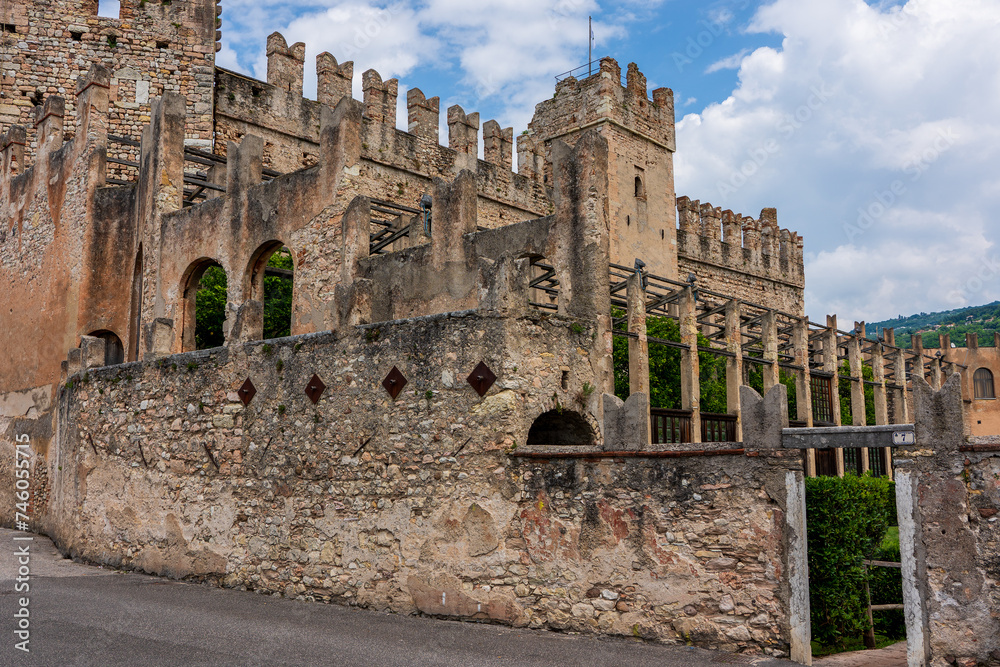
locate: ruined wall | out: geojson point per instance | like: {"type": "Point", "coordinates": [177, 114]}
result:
{"type": "Point", "coordinates": [418, 504]}
{"type": "Point", "coordinates": [151, 49]}
{"type": "Point", "coordinates": [62, 241]}
{"type": "Point", "coordinates": [734, 254]}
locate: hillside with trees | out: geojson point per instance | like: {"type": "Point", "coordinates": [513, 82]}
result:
{"type": "Point", "coordinates": [982, 320]}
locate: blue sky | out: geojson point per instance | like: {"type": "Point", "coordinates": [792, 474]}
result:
{"type": "Point", "coordinates": [873, 128]}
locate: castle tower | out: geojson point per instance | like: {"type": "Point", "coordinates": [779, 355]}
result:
{"type": "Point", "coordinates": [640, 135]}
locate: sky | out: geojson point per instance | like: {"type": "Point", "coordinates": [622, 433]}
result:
{"type": "Point", "coordinates": [873, 127]}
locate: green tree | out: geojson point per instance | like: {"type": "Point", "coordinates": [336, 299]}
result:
{"type": "Point", "coordinates": [665, 368]}
{"type": "Point", "coordinates": [278, 297]}
{"type": "Point", "coordinates": [210, 308]}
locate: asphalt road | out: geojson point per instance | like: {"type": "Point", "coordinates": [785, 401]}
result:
{"type": "Point", "coordinates": [85, 615]}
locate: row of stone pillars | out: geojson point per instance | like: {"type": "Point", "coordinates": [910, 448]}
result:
{"type": "Point", "coordinates": [814, 351]}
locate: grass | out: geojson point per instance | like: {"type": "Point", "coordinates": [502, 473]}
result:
{"type": "Point", "coordinates": [852, 645]}
{"type": "Point", "coordinates": [891, 539]}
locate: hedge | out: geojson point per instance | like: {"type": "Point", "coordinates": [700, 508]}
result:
{"type": "Point", "coordinates": [847, 519]}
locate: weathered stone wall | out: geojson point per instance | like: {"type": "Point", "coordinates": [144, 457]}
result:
{"type": "Point", "coordinates": [736, 255]}
{"type": "Point", "coordinates": [151, 49]}
{"type": "Point", "coordinates": [948, 497]}
{"type": "Point", "coordinates": [63, 243]}
{"type": "Point", "coordinates": [427, 503]}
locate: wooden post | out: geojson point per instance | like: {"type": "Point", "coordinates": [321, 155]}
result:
{"type": "Point", "coordinates": [734, 364]}
{"type": "Point", "coordinates": [690, 381]}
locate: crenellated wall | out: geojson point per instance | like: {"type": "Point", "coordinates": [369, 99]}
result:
{"type": "Point", "coordinates": [396, 166]}
{"type": "Point", "coordinates": [738, 255]}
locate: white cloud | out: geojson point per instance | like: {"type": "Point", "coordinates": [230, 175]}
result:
{"type": "Point", "coordinates": [855, 100]}
{"type": "Point", "coordinates": [730, 62]}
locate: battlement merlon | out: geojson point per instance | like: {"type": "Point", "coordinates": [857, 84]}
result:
{"type": "Point", "coordinates": [380, 98]}
{"type": "Point", "coordinates": [498, 144]}
{"type": "Point", "coordinates": [285, 65]}
{"type": "Point", "coordinates": [333, 79]}
{"type": "Point", "coordinates": [423, 115]}
{"type": "Point", "coordinates": [582, 103]}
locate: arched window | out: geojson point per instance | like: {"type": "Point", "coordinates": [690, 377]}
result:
{"type": "Point", "coordinates": [114, 351]}
{"type": "Point", "coordinates": [561, 428]}
{"type": "Point", "coordinates": [640, 189]}
{"type": "Point", "coordinates": [205, 297]}
{"type": "Point", "coordinates": [983, 381]}
{"type": "Point", "coordinates": [271, 277]}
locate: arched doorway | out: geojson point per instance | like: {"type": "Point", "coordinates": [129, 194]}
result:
{"type": "Point", "coordinates": [204, 304]}
{"type": "Point", "coordinates": [561, 428]}
{"type": "Point", "coordinates": [114, 351]}
{"type": "Point", "coordinates": [271, 279]}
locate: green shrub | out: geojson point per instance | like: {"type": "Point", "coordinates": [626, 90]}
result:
{"type": "Point", "coordinates": [847, 521]}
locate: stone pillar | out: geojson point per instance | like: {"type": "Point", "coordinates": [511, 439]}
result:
{"type": "Point", "coordinates": [858, 412]}
{"type": "Point", "coordinates": [333, 81]}
{"type": "Point", "coordinates": [689, 215]}
{"type": "Point", "coordinates": [339, 141]}
{"type": "Point", "coordinates": [690, 380]}
{"type": "Point", "coordinates": [455, 215]}
{"type": "Point", "coordinates": [638, 346]}
{"type": "Point", "coordinates": [579, 245]}
{"type": "Point", "coordinates": [356, 234]}
{"type": "Point", "coordinates": [734, 363]}
{"type": "Point", "coordinates": [881, 402]}
{"type": "Point", "coordinates": [423, 114]}
{"type": "Point", "coordinates": [769, 338]}
{"type": "Point", "coordinates": [803, 384]}
{"type": "Point", "coordinates": [831, 364]}
{"type": "Point", "coordinates": [497, 144]}
{"type": "Point", "coordinates": [285, 65]}
{"type": "Point", "coordinates": [463, 137]}
{"type": "Point", "coordinates": [936, 373]}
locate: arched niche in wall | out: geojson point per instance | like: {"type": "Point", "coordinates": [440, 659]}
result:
{"type": "Point", "coordinates": [203, 304]}
{"type": "Point", "coordinates": [561, 428]}
{"type": "Point", "coordinates": [114, 351]}
{"type": "Point", "coordinates": [270, 279]}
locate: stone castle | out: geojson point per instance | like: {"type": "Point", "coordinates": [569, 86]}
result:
{"type": "Point", "coordinates": [439, 433]}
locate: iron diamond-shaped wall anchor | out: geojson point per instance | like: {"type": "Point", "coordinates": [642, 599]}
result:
{"type": "Point", "coordinates": [482, 378]}
{"type": "Point", "coordinates": [315, 389]}
{"type": "Point", "coordinates": [247, 392]}
{"type": "Point", "coordinates": [394, 382]}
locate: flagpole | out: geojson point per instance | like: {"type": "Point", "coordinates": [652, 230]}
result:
{"type": "Point", "coordinates": [590, 45]}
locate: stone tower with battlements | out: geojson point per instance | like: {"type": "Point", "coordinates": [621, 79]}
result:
{"type": "Point", "coordinates": [640, 135]}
